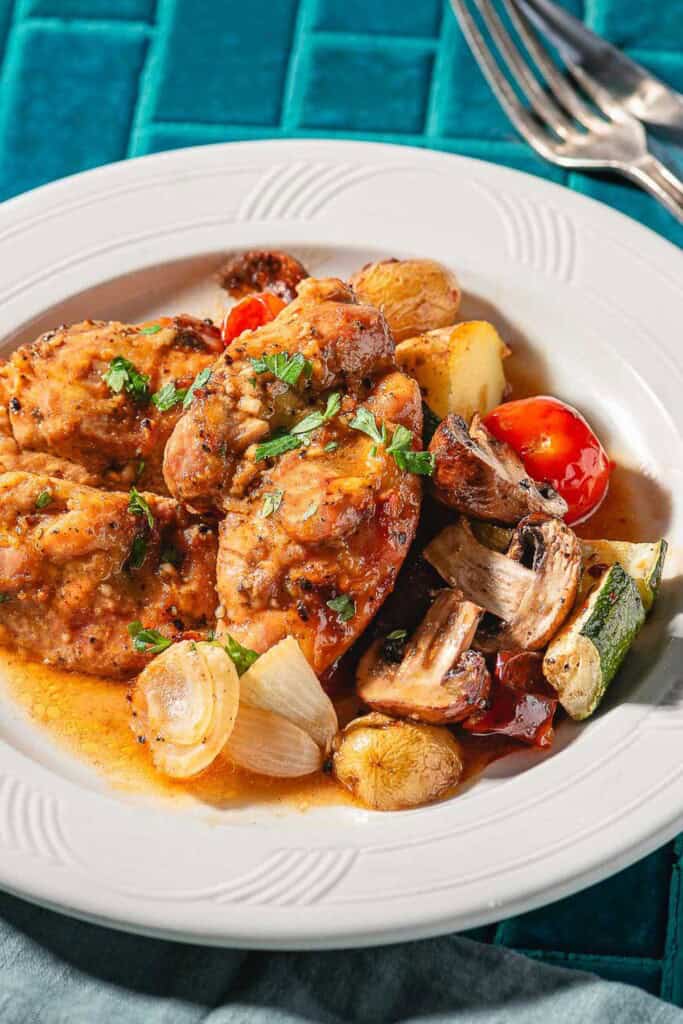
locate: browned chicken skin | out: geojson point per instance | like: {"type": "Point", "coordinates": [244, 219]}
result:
{"type": "Point", "coordinates": [59, 404]}
{"type": "Point", "coordinates": [347, 513]}
{"type": "Point", "coordinates": [67, 579]}
{"type": "Point", "coordinates": [345, 342]}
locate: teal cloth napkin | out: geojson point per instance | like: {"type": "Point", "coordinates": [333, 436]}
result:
{"type": "Point", "coordinates": [57, 971]}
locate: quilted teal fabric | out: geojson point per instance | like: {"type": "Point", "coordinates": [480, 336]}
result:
{"type": "Point", "coordinates": [85, 82]}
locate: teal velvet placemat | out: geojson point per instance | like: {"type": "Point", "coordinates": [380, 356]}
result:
{"type": "Point", "coordinates": [85, 82]}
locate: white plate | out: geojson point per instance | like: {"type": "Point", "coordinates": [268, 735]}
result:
{"type": "Point", "coordinates": [589, 291]}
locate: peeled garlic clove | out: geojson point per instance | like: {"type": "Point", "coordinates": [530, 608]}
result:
{"type": "Point", "coordinates": [283, 681]}
{"type": "Point", "coordinates": [268, 744]}
{"type": "Point", "coordinates": [391, 764]}
{"type": "Point", "coordinates": [185, 705]}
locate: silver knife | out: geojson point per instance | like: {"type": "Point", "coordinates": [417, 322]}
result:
{"type": "Point", "coordinates": [643, 95]}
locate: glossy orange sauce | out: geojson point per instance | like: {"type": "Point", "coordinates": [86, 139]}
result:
{"type": "Point", "coordinates": [89, 716]}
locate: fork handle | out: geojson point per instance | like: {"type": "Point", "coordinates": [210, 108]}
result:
{"type": "Point", "coordinates": [659, 181]}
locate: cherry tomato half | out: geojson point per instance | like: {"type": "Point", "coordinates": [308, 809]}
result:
{"type": "Point", "coordinates": [250, 313]}
{"type": "Point", "coordinates": [557, 446]}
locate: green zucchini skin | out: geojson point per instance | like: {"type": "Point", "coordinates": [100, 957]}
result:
{"type": "Point", "coordinates": [584, 657]}
{"type": "Point", "coordinates": [644, 562]}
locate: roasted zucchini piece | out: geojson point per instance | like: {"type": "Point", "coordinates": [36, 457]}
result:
{"type": "Point", "coordinates": [643, 562]}
{"type": "Point", "coordinates": [585, 655]}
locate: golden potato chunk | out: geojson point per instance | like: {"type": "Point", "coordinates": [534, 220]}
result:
{"type": "Point", "coordinates": [414, 295]}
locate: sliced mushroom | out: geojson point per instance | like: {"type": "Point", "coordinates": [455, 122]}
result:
{"type": "Point", "coordinates": [483, 477]}
{"type": "Point", "coordinates": [532, 588]}
{"type": "Point", "coordinates": [262, 271]}
{"type": "Point", "coordinates": [438, 679]}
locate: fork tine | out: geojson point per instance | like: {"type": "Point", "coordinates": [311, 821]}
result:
{"type": "Point", "coordinates": [546, 107]}
{"type": "Point", "coordinates": [563, 91]}
{"type": "Point", "coordinates": [518, 114]}
{"type": "Point", "coordinates": [601, 96]}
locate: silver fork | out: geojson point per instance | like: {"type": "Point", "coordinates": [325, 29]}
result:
{"type": "Point", "coordinates": [560, 124]}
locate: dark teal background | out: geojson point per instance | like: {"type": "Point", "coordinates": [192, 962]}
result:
{"type": "Point", "coordinates": [85, 82]}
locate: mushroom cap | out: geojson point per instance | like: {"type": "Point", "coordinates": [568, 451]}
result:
{"type": "Point", "coordinates": [439, 679]}
{"type": "Point", "coordinates": [483, 477]}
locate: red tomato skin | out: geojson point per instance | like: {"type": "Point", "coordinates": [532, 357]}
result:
{"type": "Point", "coordinates": [250, 313]}
{"type": "Point", "coordinates": [557, 446]}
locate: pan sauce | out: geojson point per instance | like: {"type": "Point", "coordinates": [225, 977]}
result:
{"type": "Point", "coordinates": [89, 716]}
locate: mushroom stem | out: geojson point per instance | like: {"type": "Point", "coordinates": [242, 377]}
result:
{"type": "Point", "coordinates": [490, 579]}
{"type": "Point", "coordinates": [446, 631]}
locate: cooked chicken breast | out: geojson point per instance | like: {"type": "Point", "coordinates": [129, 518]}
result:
{"type": "Point", "coordinates": [320, 565]}
{"type": "Point", "coordinates": [77, 566]}
{"type": "Point", "coordinates": [61, 403]}
{"type": "Point", "coordinates": [205, 461]}
{"type": "Point", "coordinates": [312, 539]}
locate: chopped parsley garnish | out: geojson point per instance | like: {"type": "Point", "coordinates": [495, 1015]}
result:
{"type": "Point", "coordinates": [310, 511]}
{"type": "Point", "coordinates": [152, 329]}
{"type": "Point", "coordinates": [316, 419]}
{"type": "Point", "coordinates": [138, 551]}
{"type": "Point", "coordinates": [271, 503]}
{"type": "Point", "coordinates": [397, 634]}
{"type": "Point", "coordinates": [283, 366]}
{"type": "Point", "coordinates": [242, 657]}
{"type": "Point", "coordinates": [296, 438]}
{"type": "Point", "coordinates": [147, 641]}
{"type": "Point", "coordinates": [421, 463]}
{"type": "Point", "coordinates": [139, 507]}
{"type": "Point", "coordinates": [140, 468]}
{"type": "Point", "coordinates": [344, 606]}
{"type": "Point", "coordinates": [365, 421]}
{"type": "Point", "coordinates": [4, 597]}
{"type": "Point", "coordinates": [202, 378]}
{"type": "Point", "coordinates": [123, 376]}
{"type": "Point", "coordinates": [44, 499]}
{"type": "Point", "coordinates": [168, 396]}
{"type": "Point", "coordinates": [277, 445]}
{"type": "Point", "coordinates": [331, 446]}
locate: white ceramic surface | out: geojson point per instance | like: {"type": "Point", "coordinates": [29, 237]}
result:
{"type": "Point", "coordinates": [590, 293]}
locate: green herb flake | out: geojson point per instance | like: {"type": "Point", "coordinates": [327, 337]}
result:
{"type": "Point", "coordinates": [271, 503]}
{"type": "Point", "coordinates": [140, 469]}
{"type": "Point", "coordinates": [401, 441]}
{"type": "Point", "coordinates": [276, 446]}
{"type": "Point", "coordinates": [242, 657]}
{"type": "Point", "coordinates": [366, 422]}
{"type": "Point", "coordinates": [310, 511]}
{"type": "Point", "coordinates": [44, 499]}
{"type": "Point", "coordinates": [139, 506]}
{"type": "Point", "coordinates": [152, 329]}
{"type": "Point", "coordinates": [397, 634]}
{"type": "Point", "coordinates": [283, 366]}
{"type": "Point", "coordinates": [123, 376]}
{"type": "Point", "coordinates": [316, 419]}
{"type": "Point", "coordinates": [331, 447]}
{"type": "Point", "coordinates": [200, 381]}
{"type": "Point", "coordinates": [344, 606]}
{"type": "Point", "coordinates": [168, 396]}
{"type": "Point", "coordinates": [420, 463]}
{"type": "Point", "coordinates": [138, 552]}
{"type": "Point", "coordinates": [4, 597]}
{"type": "Point", "coordinates": [147, 641]}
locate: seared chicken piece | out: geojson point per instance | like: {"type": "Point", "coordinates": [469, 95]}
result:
{"type": "Point", "coordinates": [312, 538]}
{"type": "Point", "coordinates": [344, 342]}
{"type": "Point", "coordinates": [60, 403]}
{"type": "Point", "coordinates": [77, 566]}
{"type": "Point", "coordinates": [320, 565]}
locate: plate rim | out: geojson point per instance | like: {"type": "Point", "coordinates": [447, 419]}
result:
{"type": "Point", "coordinates": [660, 248]}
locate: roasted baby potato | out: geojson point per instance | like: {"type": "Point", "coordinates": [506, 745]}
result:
{"type": "Point", "coordinates": [414, 295]}
{"type": "Point", "coordinates": [459, 369]}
